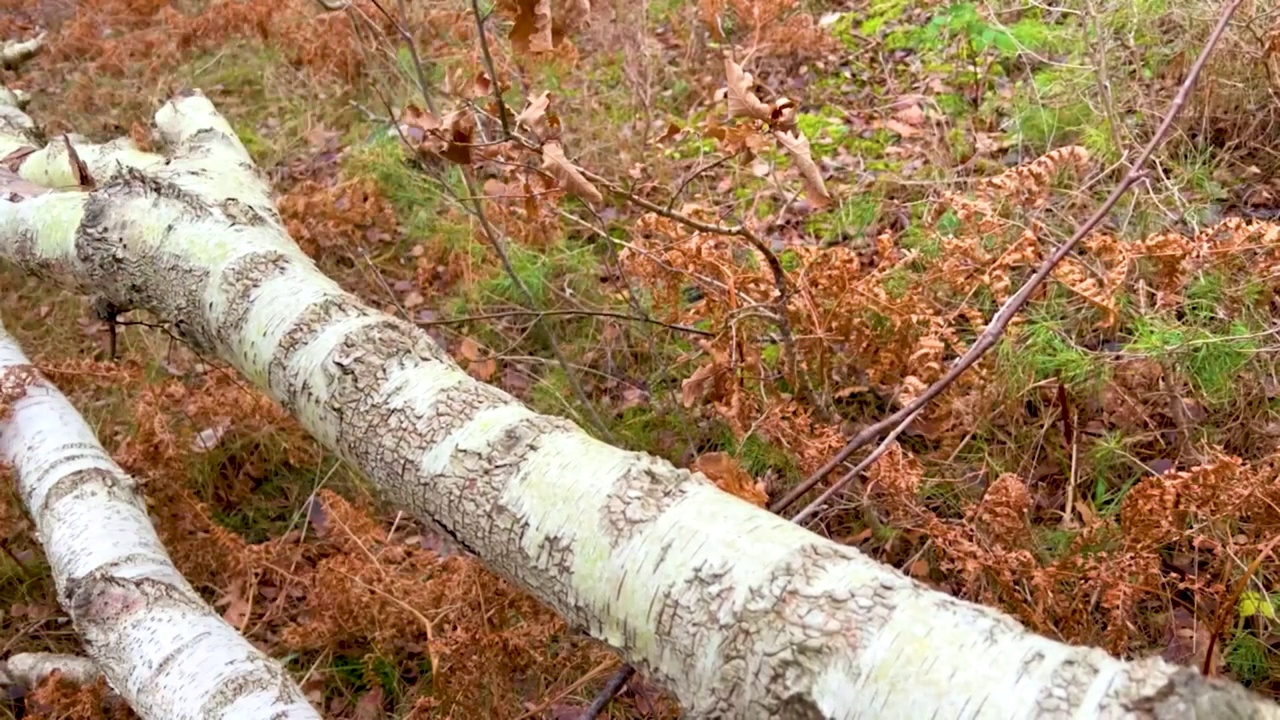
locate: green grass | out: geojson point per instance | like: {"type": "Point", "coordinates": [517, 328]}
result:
{"type": "Point", "coordinates": [1047, 350]}
{"type": "Point", "coordinates": [256, 89]}
{"type": "Point", "coordinates": [1210, 361]}
{"type": "Point", "coordinates": [253, 489]}
{"type": "Point", "coordinates": [1249, 659]}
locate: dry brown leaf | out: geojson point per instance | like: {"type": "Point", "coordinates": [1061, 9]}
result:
{"type": "Point", "coordinates": [534, 116]}
{"type": "Point", "coordinates": [798, 145]}
{"type": "Point", "coordinates": [902, 128]}
{"type": "Point", "coordinates": [729, 476]}
{"type": "Point", "coordinates": [672, 131]}
{"type": "Point", "coordinates": [469, 349]}
{"type": "Point", "coordinates": [369, 706]}
{"type": "Point", "coordinates": [741, 94]}
{"type": "Point", "coordinates": [567, 174]}
{"type": "Point", "coordinates": [734, 139]}
{"type": "Point", "coordinates": [482, 85]}
{"type": "Point", "coordinates": [460, 126]}
{"type": "Point", "coordinates": [1078, 279]}
{"type": "Point", "coordinates": [530, 202]}
{"type": "Point", "coordinates": [909, 111]}
{"type": "Point", "coordinates": [483, 370]}
{"type": "Point", "coordinates": [449, 137]}
{"type": "Point", "coordinates": [695, 387]}
{"type": "Point", "coordinates": [531, 31]}
{"type": "Point", "coordinates": [238, 607]}
{"type": "Point", "coordinates": [415, 118]}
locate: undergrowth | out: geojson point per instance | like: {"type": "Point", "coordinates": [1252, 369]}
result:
{"type": "Point", "coordinates": [1105, 474]}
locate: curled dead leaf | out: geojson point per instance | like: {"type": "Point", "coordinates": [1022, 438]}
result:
{"type": "Point", "coordinates": [531, 31]}
{"type": "Point", "coordinates": [725, 472]}
{"type": "Point", "coordinates": [448, 137]}
{"type": "Point", "coordinates": [469, 350]}
{"type": "Point", "coordinates": [695, 387]}
{"type": "Point", "coordinates": [416, 121]}
{"type": "Point", "coordinates": [740, 92]}
{"type": "Point", "coordinates": [534, 115]}
{"type": "Point", "coordinates": [568, 175]}
{"type": "Point", "coordinates": [482, 85]}
{"type": "Point", "coordinates": [798, 145]}
{"type": "Point", "coordinates": [739, 138]}
{"type": "Point", "coordinates": [483, 370]}
{"type": "Point", "coordinates": [902, 128]}
{"type": "Point", "coordinates": [673, 130]}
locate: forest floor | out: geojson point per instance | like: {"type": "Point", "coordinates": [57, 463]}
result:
{"type": "Point", "coordinates": [1107, 474]}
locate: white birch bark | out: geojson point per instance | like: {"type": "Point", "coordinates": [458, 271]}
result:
{"type": "Point", "coordinates": [29, 669]}
{"type": "Point", "coordinates": [169, 654]}
{"type": "Point", "coordinates": [736, 611]}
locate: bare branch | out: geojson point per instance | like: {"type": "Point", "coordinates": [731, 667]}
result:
{"type": "Point", "coordinates": [489, 68]}
{"type": "Point", "coordinates": [586, 313]}
{"type": "Point", "coordinates": [14, 53]}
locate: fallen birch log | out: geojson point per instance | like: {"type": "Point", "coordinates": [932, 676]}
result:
{"type": "Point", "coordinates": [739, 613]}
{"type": "Point", "coordinates": [169, 654]}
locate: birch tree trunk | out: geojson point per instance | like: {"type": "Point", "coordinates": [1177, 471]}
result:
{"type": "Point", "coordinates": [159, 644]}
{"type": "Point", "coordinates": [738, 612]}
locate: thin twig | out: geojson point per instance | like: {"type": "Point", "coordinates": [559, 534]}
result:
{"type": "Point", "coordinates": [22, 567]}
{"type": "Point", "coordinates": [608, 692]}
{"type": "Point", "coordinates": [850, 476]}
{"type": "Point", "coordinates": [490, 68]}
{"type": "Point", "coordinates": [741, 230]}
{"type": "Point", "coordinates": [586, 313]}
{"type": "Point", "coordinates": [1010, 309]}
{"type": "Point", "coordinates": [695, 174]}
{"type": "Point", "coordinates": [491, 234]}
{"type": "Point", "coordinates": [597, 670]}
{"type": "Point", "coordinates": [415, 58]}
{"type": "Point", "coordinates": [1228, 608]}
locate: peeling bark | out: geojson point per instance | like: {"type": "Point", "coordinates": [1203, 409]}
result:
{"type": "Point", "coordinates": [736, 611]}
{"type": "Point", "coordinates": [168, 653]}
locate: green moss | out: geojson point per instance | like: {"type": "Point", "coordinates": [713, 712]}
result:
{"type": "Point", "coordinates": [897, 283]}
{"type": "Point", "coordinates": [1052, 542]}
{"type": "Point", "coordinates": [278, 489]}
{"type": "Point", "coordinates": [850, 219]}
{"type": "Point", "coordinates": [1110, 465]}
{"type": "Point", "coordinates": [825, 131]}
{"type": "Point", "coordinates": [419, 200]}
{"type": "Point", "coordinates": [790, 260]}
{"type": "Point", "coordinates": [927, 244]}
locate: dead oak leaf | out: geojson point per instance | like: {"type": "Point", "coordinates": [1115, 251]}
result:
{"type": "Point", "coordinates": [798, 145]}
{"type": "Point", "coordinates": [725, 472]}
{"type": "Point", "coordinates": [738, 138]}
{"type": "Point", "coordinates": [695, 387]}
{"type": "Point", "coordinates": [534, 116]}
{"type": "Point", "coordinates": [448, 137]}
{"type": "Point", "coordinates": [416, 122]}
{"type": "Point", "coordinates": [740, 92]}
{"type": "Point", "coordinates": [908, 110]}
{"type": "Point", "coordinates": [902, 128]}
{"type": "Point", "coordinates": [531, 31]}
{"type": "Point", "coordinates": [568, 175]}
